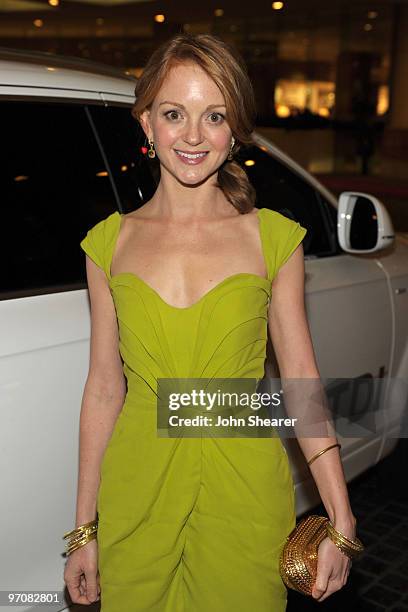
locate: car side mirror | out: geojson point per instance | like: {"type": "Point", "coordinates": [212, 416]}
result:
{"type": "Point", "coordinates": [363, 223]}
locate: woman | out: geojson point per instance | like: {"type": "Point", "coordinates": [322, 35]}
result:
{"type": "Point", "coordinates": [181, 287]}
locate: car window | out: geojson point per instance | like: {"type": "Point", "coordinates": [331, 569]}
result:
{"type": "Point", "coordinates": [280, 188]}
{"type": "Point", "coordinates": [122, 138]}
{"type": "Point", "coordinates": [54, 187]}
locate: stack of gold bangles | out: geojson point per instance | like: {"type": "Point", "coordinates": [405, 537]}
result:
{"type": "Point", "coordinates": [81, 535]}
{"type": "Point", "coordinates": [351, 548]}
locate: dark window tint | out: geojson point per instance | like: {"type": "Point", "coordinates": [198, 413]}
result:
{"type": "Point", "coordinates": [122, 139]}
{"type": "Point", "coordinates": [54, 187]}
{"type": "Point", "coordinates": [280, 188]}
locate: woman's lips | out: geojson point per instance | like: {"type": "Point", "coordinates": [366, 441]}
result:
{"type": "Point", "coordinates": [191, 159]}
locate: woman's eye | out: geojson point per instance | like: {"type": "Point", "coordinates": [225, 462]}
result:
{"type": "Point", "coordinates": [170, 113]}
{"type": "Point", "coordinates": [218, 116]}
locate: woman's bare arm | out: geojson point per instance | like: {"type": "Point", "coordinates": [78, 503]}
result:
{"type": "Point", "coordinates": [104, 392]}
{"type": "Point", "coordinates": [293, 347]}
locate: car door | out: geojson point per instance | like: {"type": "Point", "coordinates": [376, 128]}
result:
{"type": "Point", "coordinates": [54, 186]}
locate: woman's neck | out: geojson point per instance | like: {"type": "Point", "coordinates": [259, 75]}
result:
{"type": "Point", "coordinates": [175, 201]}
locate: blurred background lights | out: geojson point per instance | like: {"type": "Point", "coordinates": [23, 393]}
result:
{"type": "Point", "coordinates": [159, 18]}
{"type": "Point", "coordinates": [277, 6]}
{"type": "Point", "coordinates": [282, 110]}
{"type": "Point", "coordinates": [219, 12]}
{"type": "Point", "coordinates": [38, 23]}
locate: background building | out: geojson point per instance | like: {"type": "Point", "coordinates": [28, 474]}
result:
{"type": "Point", "coordinates": [332, 70]}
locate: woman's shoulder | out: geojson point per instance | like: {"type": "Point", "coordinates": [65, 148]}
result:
{"type": "Point", "coordinates": [282, 236]}
{"type": "Point", "coordinates": [280, 226]}
{"type": "Point", "coordinates": [100, 236]}
{"type": "Point", "coordinates": [277, 218]}
{"type": "Point", "coordinates": [105, 223]}
{"type": "Point", "coordinates": [104, 230]}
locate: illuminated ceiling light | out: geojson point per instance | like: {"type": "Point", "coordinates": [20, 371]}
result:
{"type": "Point", "coordinates": [50, 69]}
{"type": "Point", "coordinates": [100, 21]}
{"type": "Point", "coordinates": [283, 111]}
{"type": "Point", "coordinates": [53, 2]}
{"type": "Point", "coordinates": [124, 168]}
{"type": "Point", "coordinates": [38, 23]}
{"type": "Point", "coordinates": [372, 14]}
{"type": "Point", "coordinates": [249, 162]}
{"type": "Point", "coordinates": [102, 173]}
{"type": "Point", "coordinates": [277, 6]}
{"type": "Point", "coordinates": [219, 12]}
{"type": "Point", "coordinates": [368, 27]}
{"type": "Point", "coordinates": [159, 18]}
{"type": "Point", "coordinates": [20, 178]}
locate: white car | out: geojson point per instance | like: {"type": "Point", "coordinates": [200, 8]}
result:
{"type": "Point", "coordinates": [71, 156]}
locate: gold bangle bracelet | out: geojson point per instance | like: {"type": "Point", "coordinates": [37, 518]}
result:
{"type": "Point", "coordinates": [81, 535]}
{"type": "Point", "coordinates": [315, 456]}
{"type": "Point", "coordinates": [81, 528]}
{"type": "Point", "coordinates": [74, 546]}
{"type": "Point", "coordinates": [351, 548]}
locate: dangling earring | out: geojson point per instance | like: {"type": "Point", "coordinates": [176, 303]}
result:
{"type": "Point", "coordinates": [151, 152]}
{"type": "Point", "coordinates": [230, 156]}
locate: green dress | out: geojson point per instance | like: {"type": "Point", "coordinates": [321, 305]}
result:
{"type": "Point", "coordinates": [192, 524]}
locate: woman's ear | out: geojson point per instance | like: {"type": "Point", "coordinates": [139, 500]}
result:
{"type": "Point", "coordinates": [144, 120]}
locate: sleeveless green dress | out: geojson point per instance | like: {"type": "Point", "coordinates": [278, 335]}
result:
{"type": "Point", "coordinates": [192, 524]}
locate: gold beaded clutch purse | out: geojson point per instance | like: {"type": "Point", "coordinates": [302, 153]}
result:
{"type": "Point", "coordinates": [298, 559]}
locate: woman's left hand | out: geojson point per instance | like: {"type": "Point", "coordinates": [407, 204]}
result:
{"type": "Point", "coordinates": [333, 568]}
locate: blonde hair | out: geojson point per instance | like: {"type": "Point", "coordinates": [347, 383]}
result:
{"type": "Point", "coordinates": [227, 69]}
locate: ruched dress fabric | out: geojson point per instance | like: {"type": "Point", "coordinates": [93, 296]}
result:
{"type": "Point", "coordinates": [192, 524]}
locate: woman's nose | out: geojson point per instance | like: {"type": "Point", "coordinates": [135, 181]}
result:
{"type": "Point", "coordinates": [193, 133]}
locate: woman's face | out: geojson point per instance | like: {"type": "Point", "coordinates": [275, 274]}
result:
{"type": "Point", "coordinates": [187, 118]}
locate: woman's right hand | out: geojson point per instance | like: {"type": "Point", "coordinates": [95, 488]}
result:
{"type": "Point", "coordinates": [81, 574]}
